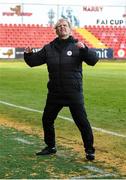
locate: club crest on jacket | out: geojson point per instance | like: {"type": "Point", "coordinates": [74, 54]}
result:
{"type": "Point", "coordinates": [69, 53]}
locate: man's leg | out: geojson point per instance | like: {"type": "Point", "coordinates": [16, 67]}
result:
{"type": "Point", "coordinates": [80, 118]}
{"type": "Point", "coordinates": [50, 113]}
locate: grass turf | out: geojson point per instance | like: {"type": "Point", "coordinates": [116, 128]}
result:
{"type": "Point", "coordinates": [104, 89]}
{"type": "Point", "coordinates": [18, 160]}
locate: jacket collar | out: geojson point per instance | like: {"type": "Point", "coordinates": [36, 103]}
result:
{"type": "Point", "coordinates": [61, 44]}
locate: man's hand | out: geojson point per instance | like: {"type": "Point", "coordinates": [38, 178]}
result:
{"type": "Point", "coordinates": [28, 50]}
{"type": "Point", "coordinates": [80, 45]}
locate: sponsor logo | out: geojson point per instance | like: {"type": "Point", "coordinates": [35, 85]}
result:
{"type": "Point", "coordinates": [93, 8]}
{"type": "Point", "coordinates": [8, 53]}
{"type": "Point", "coordinates": [104, 53]}
{"type": "Point", "coordinates": [110, 21]}
{"type": "Point", "coordinates": [121, 53]}
{"type": "Point", "coordinates": [17, 10]}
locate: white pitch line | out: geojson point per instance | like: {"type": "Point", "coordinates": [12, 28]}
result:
{"type": "Point", "coordinates": [101, 173]}
{"type": "Point", "coordinates": [94, 169]}
{"type": "Point", "coordinates": [94, 176]}
{"type": "Point", "coordinates": [23, 140]}
{"type": "Point", "coordinates": [62, 117]}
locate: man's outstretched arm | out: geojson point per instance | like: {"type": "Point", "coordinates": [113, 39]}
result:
{"type": "Point", "coordinates": [34, 58]}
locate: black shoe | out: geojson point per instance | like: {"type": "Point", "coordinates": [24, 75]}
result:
{"type": "Point", "coordinates": [90, 156]}
{"type": "Point", "coordinates": [46, 151]}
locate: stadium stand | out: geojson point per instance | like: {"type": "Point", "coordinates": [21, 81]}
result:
{"type": "Point", "coordinates": [25, 35]}
{"type": "Point", "coordinates": [22, 35]}
{"type": "Point", "coordinates": [112, 36]}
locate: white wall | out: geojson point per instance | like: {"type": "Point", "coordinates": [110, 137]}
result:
{"type": "Point", "coordinates": [105, 12]}
{"type": "Point", "coordinates": [72, 2]}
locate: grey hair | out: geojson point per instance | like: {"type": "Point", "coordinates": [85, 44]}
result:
{"type": "Point", "coordinates": [60, 20]}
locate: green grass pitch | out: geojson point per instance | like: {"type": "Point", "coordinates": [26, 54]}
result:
{"type": "Point", "coordinates": [105, 96]}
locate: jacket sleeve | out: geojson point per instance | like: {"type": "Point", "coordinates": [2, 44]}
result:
{"type": "Point", "coordinates": [35, 58]}
{"type": "Point", "coordinates": [89, 56]}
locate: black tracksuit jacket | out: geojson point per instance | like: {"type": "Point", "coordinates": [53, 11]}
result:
{"type": "Point", "coordinates": [64, 62]}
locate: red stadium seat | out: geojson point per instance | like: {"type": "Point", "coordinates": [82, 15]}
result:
{"type": "Point", "coordinates": [22, 35]}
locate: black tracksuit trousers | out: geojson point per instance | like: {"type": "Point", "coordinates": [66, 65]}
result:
{"type": "Point", "coordinates": [80, 118]}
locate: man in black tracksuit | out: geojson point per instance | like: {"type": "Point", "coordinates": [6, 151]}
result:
{"type": "Point", "coordinates": [64, 57]}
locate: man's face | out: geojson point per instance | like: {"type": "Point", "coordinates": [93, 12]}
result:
{"type": "Point", "coordinates": [63, 30]}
